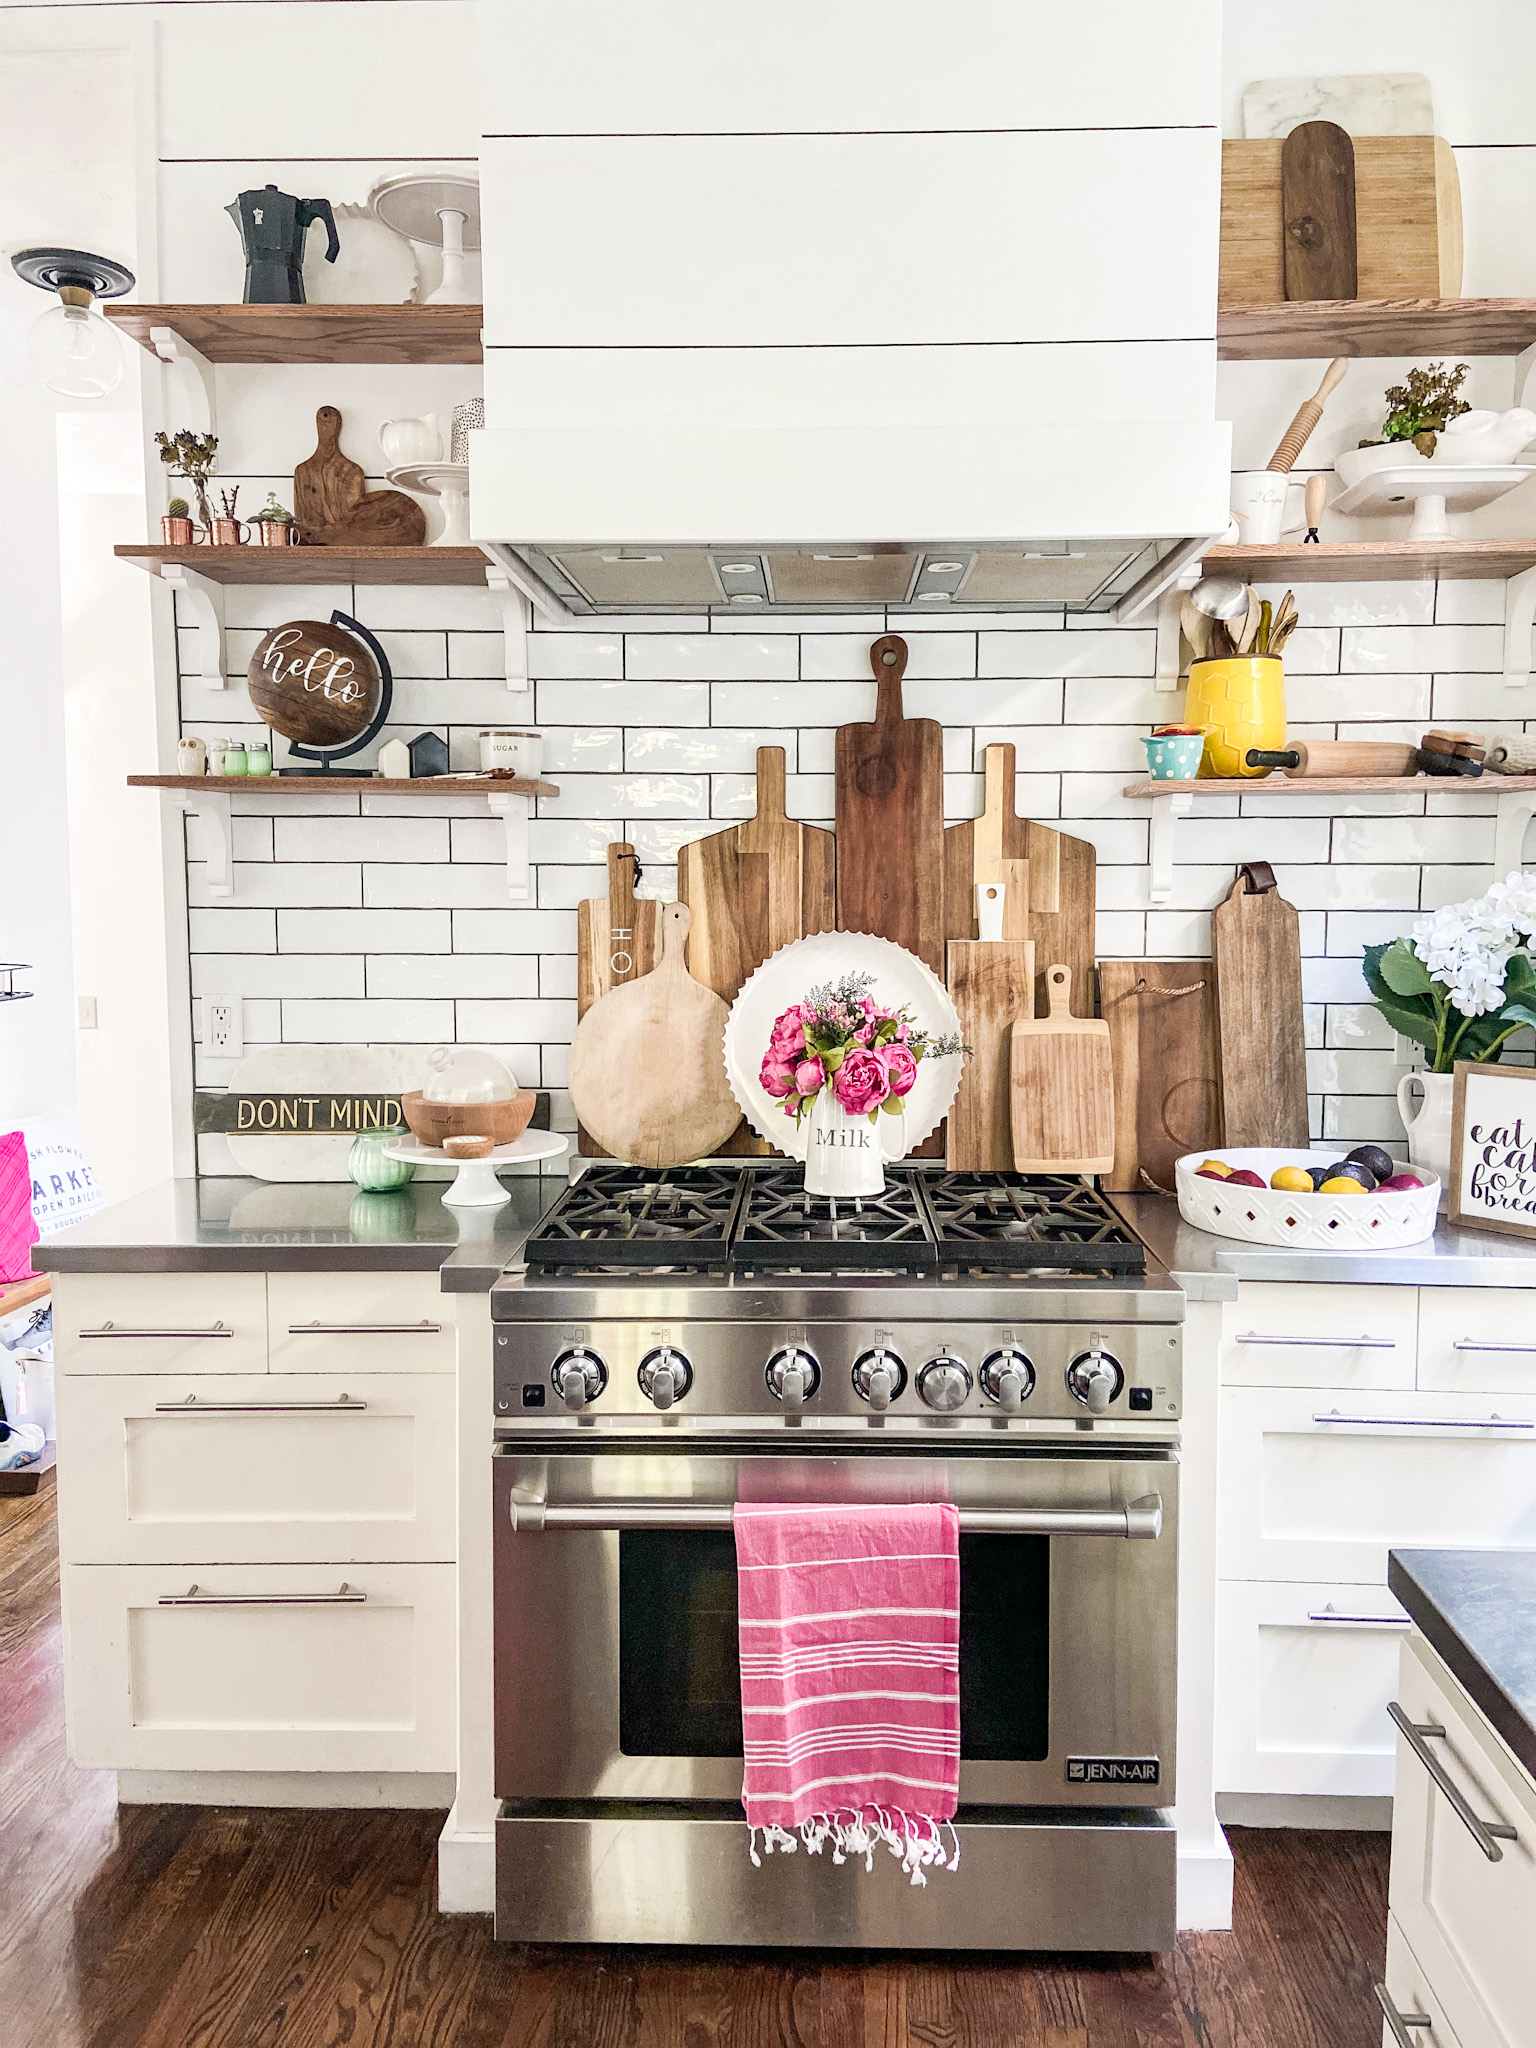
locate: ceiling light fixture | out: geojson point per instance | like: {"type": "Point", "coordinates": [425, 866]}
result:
{"type": "Point", "coordinates": [72, 348]}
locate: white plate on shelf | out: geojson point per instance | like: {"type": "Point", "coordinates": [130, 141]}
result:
{"type": "Point", "coordinates": [475, 1186]}
{"type": "Point", "coordinates": [1316, 1223]}
{"type": "Point", "coordinates": [901, 980]}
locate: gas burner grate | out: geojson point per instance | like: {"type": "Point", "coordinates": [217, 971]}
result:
{"type": "Point", "coordinates": [999, 1222]}
{"type": "Point", "coordinates": [638, 1219]}
{"type": "Point", "coordinates": [782, 1229]}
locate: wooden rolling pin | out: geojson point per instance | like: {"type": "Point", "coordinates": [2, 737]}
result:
{"type": "Point", "coordinates": [1332, 758]}
{"type": "Point", "coordinates": [1283, 461]}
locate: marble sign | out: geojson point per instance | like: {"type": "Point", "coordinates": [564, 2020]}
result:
{"type": "Point", "coordinates": [1367, 103]}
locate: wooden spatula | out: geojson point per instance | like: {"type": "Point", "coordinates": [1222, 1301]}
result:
{"type": "Point", "coordinates": [1063, 1088]}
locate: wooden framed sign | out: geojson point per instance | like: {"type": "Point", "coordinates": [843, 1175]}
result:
{"type": "Point", "coordinates": [1493, 1148]}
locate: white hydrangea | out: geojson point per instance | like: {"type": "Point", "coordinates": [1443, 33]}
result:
{"type": "Point", "coordinates": [1467, 946]}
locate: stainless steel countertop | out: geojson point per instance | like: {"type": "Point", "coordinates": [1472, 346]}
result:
{"type": "Point", "coordinates": [1477, 1608]}
{"type": "Point", "coordinates": [1206, 1266]}
{"type": "Point", "coordinates": [200, 1226]}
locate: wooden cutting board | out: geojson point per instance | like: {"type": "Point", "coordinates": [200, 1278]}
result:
{"type": "Point", "coordinates": [1162, 1036]}
{"type": "Point", "coordinates": [1261, 1050]}
{"type": "Point", "coordinates": [890, 818]}
{"type": "Point", "coordinates": [1063, 1088]}
{"type": "Point", "coordinates": [335, 508]}
{"type": "Point", "coordinates": [648, 1065]}
{"type": "Point", "coordinates": [616, 940]}
{"type": "Point", "coordinates": [1317, 200]}
{"type": "Point", "coordinates": [991, 983]}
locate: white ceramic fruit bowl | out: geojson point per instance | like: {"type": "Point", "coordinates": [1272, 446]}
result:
{"type": "Point", "coordinates": [1318, 1223]}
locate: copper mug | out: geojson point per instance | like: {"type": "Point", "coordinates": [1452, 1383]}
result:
{"type": "Point", "coordinates": [228, 533]}
{"type": "Point", "coordinates": [276, 533]}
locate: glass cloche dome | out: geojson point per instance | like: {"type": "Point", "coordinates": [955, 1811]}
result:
{"type": "Point", "coordinates": [462, 1073]}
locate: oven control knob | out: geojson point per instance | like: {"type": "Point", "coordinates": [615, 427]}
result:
{"type": "Point", "coordinates": [1008, 1378]}
{"type": "Point", "coordinates": [579, 1376]}
{"type": "Point", "coordinates": [665, 1375]}
{"type": "Point", "coordinates": [878, 1377]}
{"type": "Point", "coordinates": [1094, 1376]}
{"type": "Point", "coordinates": [793, 1375]}
{"type": "Point", "coordinates": [945, 1383]}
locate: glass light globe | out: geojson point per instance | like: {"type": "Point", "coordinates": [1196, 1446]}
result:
{"type": "Point", "coordinates": [462, 1073]}
{"type": "Point", "coordinates": [74, 350]}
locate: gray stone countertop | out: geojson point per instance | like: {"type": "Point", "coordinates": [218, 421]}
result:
{"type": "Point", "coordinates": [1208, 1268]}
{"type": "Point", "coordinates": [193, 1226]}
{"type": "Point", "coordinates": [1477, 1608]}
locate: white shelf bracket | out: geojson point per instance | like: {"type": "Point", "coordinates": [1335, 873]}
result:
{"type": "Point", "coordinates": [1169, 606]}
{"type": "Point", "coordinates": [202, 607]}
{"type": "Point", "coordinates": [211, 808]}
{"type": "Point", "coordinates": [514, 811]}
{"type": "Point", "coordinates": [193, 377]}
{"type": "Point", "coordinates": [1525, 362]}
{"type": "Point", "coordinates": [515, 621]}
{"type": "Point", "coordinates": [1165, 810]}
{"type": "Point", "coordinates": [1516, 810]}
{"type": "Point", "coordinates": [1519, 618]}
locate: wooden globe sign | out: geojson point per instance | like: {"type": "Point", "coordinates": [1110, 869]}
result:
{"type": "Point", "coordinates": [325, 686]}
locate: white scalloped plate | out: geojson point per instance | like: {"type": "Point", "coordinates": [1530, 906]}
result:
{"type": "Point", "coordinates": [900, 979]}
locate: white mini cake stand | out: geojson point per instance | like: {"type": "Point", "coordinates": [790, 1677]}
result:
{"type": "Point", "coordinates": [1434, 489]}
{"type": "Point", "coordinates": [440, 208]}
{"type": "Point", "coordinates": [476, 1185]}
{"type": "Point", "coordinates": [448, 481]}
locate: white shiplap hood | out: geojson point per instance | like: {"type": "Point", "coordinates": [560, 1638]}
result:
{"type": "Point", "coordinates": [914, 309]}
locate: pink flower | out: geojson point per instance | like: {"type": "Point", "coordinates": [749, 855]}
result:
{"type": "Point", "coordinates": [900, 1067]}
{"type": "Point", "coordinates": [809, 1076]}
{"type": "Point", "coordinates": [788, 1035]}
{"type": "Point", "coordinates": [860, 1082]}
{"type": "Point", "coordinates": [777, 1076]}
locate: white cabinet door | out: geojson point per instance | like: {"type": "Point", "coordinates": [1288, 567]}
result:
{"type": "Point", "coordinates": [1303, 1676]}
{"type": "Point", "coordinates": [1468, 1916]}
{"type": "Point", "coordinates": [359, 1322]}
{"type": "Point", "coordinates": [1319, 1336]}
{"type": "Point", "coordinates": [276, 1467]}
{"type": "Point", "coordinates": [160, 1322]}
{"type": "Point", "coordinates": [1318, 1486]}
{"type": "Point", "coordinates": [1477, 1340]}
{"type": "Point", "coordinates": [262, 1668]}
{"type": "Point", "coordinates": [1413, 1997]}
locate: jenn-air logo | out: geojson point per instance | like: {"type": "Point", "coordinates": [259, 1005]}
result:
{"type": "Point", "coordinates": [1112, 1770]}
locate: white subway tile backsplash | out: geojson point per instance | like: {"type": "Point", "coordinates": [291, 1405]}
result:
{"type": "Point", "coordinates": [1322, 700]}
{"type": "Point", "coordinates": [473, 656]}
{"type": "Point", "coordinates": [1423, 840]}
{"type": "Point", "coordinates": [369, 1022]}
{"type": "Point", "coordinates": [279, 883]}
{"type": "Point", "coordinates": [587, 657]}
{"type": "Point", "coordinates": [416, 654]}
{"type": "Point", "coordinates": [276, 974]}
{"type": "Point", "coordinates": [451, 974]}
{"type": "Point", "coordinates": [628, 796]}
{"type": "Point", "coordinates": [930, 656]}
{"type": "Point", "coordinates": [791, 703]}
{"type": "Point", "coordinates": [1475, 602]}
{"type": "Point", "coordinates": [538, 1018]}
{"type": "Point", "coordinates": [356, 839]}
{"type": "Point", "coordinates": [518, 931]}
{"type": "Point", "coordinates": [1364, 1072]}
{"type": "Point", "coordinates": [712, 657]}
{"type": "Point", "coordinates": [447, 885]}
{"type": "Point", "coordinates": [232, 930]}
{"type": "Point", "coordinates": [1099, 651]}
{"type": "Point", "coordinates": [700, 749]}
{"type": "Point", "coordinates": [612, 703]}
{"type": "Point", "coordinates": [1402, 649]}
{"type": "Point", "coordinates": [1359, 1027]}
{"type": "Point", "coordinates": [256, 606]}
{"type": "Point", "coordinates": [581, 750]}
{"type": "Point", "coordinates": [357, 931]}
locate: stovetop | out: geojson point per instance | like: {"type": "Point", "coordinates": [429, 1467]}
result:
{"type": "Point", "coordinates": [758, 1222]}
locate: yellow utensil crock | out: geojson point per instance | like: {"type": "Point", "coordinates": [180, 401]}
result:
{"type": "Point", "coordinates": [1239, 702]}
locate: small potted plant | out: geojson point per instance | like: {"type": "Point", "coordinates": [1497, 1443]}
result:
{"type": "Point", "coordinates": [274, 525]}
{"type": "Point", "coordinates": [228, 531]}
{"type": "Point", "coordinates": [1418, 412]}
{"type": "Point", "coordinates": [176, 525]}
{"type": "Point", "coordinates": [192, 456]}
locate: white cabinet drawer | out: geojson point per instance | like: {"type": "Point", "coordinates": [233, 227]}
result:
{"type": "Point", "coordinates": [277, 1466]}
{"type": "Point", "coordinates": [1303, 1676]}
{"type": "Point", "coordinates": [1318, 1486]}
{"type": "Point", "coordinates": [1477, 1340]}
{"type": "Point", "coordinates": [265, 1668]}
{"type": "Point", "coordinates": [1413, 1998]}
{"type": "Point", "coordinates": [1282, 1335]}
{"type": "Point", "coordinates": [1467, 1916]}
{"type": "Point", "coordinates": [160, 1322]}
{"type": "Point", "coordinates": [369, 1322]}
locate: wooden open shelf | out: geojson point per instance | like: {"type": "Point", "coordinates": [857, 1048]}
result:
{"type": "Point", "coordinates": [356, 785]}
{"type": "Point", "coordinates": [1375, 327]}
{"type": "Point", "coordinates": [313, 334]}
{"type": "Point", "coordinates": [1280, 784]}
{"type": "Point", "coordinates": [1372, 561]}
{"type": "Point", "coordinates": [435, 566]}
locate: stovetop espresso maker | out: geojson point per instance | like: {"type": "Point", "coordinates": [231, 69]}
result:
{"type": "Point", "coordinates": [273, 226]}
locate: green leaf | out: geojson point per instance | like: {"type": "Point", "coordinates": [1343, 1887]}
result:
{"type": "Point", "coordinates": [1412, 1023]}
{"type": "Point", "coordinates": [892, 1105]}
{"type": "Point", "coordinates": [1403, 971]}
{"type": "Point", "coordinates": [1519, 976]}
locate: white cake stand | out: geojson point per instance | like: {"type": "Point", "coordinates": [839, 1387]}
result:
{"type": "Point", "coordinates": [1434, 489]}
{"type": "Point", "coordinates": [448, 481]}
{"type": "Point", "coordinates": [476, 1185]}
{"type": "Point", "coordinates": [440, 208]}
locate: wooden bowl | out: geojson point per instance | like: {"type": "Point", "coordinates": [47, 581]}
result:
{"type": "Point", "coordinates": [431, 1122]}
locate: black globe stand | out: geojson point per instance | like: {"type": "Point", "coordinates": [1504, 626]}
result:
{"type": "Point", "coordinates": [326, 757]}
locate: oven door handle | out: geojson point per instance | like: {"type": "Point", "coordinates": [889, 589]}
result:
{"type": "Point", "coordinates": [1137, 1519]}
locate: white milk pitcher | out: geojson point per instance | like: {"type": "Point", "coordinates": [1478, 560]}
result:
{"type": "Point", "coordinates": [406, 442]}
{"type": "Point", "coordinates": [1428, 1125]}
{"type": "Point", "coordinates": [1259, 506]}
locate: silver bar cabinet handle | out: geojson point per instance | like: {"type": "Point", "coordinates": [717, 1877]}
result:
{"type": "Point", "coordinates": [1482, 1832]}
{"type": "Point", "coordinates": [342, 1405]}
{"type": "Point", "coordinates": [1400, 2022]}
{"type": "Point", "coordinates": [1326, 1343]}
{"type": "Point", "coordinates": [347, 1596]}
{"type": "Point", "coordinates": [1473, 1344]}
{"type": "Point", "coordinates": [1428, 1421]}
{"type": "Point", "coordinates": [111, 1330]}
{"type": "Point", "coordinates": [364, 1329]}
{"type": "Point", "coordinates": [1331, 1613]}
{"type": "Point", "coordinates": [1139, 1520]}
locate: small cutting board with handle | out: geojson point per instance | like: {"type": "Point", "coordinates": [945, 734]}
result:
{"type": "Point", "coordinates": [1162, 1034]}
{"type": "Point", "coordinates": [991, 984]}
{"type": "Point", "coordinates": [648, 1063]}
{"type": "Point", "coordinates": [1261, 1043]}
{"type": "Point", "coordinates": [890, 818]}
{"type": "Point", "coordinates": [616, 941]}
{"type": "Point", "coordinates": [1063, 1088]}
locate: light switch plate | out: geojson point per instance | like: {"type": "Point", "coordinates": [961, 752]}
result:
{"type": "Point", "coordinates": [85, 1013]}
{"type": "Point", "coordinates": [222, 1033]}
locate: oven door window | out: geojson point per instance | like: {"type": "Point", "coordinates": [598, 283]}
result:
{"type": "Point", "coordinates": [680, 1681]}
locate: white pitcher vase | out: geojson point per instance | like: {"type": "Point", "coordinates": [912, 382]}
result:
{"type": "Point", "coordinates": [846, 1155]}
{"type": "Point", "coordinates": [1427, 1120]}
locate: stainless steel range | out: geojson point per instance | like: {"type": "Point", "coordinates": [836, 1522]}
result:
{"type": "Point", "coordinates": [679, 1341]}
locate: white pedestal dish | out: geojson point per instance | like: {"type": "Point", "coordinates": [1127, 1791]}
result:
{"type": "Point", "coordinates": [441, 209]}
{"type": "Point", "coordinates": [1434, 490]}
{"type": "Point", "coordinates": [475, 1186]}
{"type": "Point", "coordinates": [448, 481]}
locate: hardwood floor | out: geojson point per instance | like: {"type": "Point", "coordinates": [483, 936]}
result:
{"type": "Point", "coordinates": [187, 1927]}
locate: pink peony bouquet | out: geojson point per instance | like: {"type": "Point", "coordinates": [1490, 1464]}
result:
{"type": "Point", "coordinates": [840, 1038]}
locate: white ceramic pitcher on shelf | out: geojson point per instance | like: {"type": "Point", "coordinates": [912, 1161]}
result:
{"type": "Point", "coordinates": [1427, 1120]}
{"type": "Point", "coordinates": [408, 442]}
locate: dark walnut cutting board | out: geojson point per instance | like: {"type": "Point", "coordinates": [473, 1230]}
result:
{"type": "Point", "coordinates": [1162, 1038]}
{"type": "Point", "coordinates": [1261, 1043]}
{"type": "Point", "coordinates": [616, 941]}
{"type": "Point", "coordinates": [890, 818]}
{"type": "Point", "coordinates": [334, 507]}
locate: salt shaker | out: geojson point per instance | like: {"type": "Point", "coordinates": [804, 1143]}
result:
{"type": "Point", "coordinates": [191, 757]}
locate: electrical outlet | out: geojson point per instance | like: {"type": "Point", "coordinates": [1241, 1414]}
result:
{"type": "Point", "coordinates": [85, 1013]}
{"type": "Point", "coordinates": [221, 1026]}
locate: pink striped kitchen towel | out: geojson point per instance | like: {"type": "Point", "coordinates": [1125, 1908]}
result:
{"type": "Point", "coordinates": [850, 1679]}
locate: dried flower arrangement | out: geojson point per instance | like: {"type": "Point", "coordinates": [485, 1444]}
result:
{"type": "Point", "coordinates": [191, 456]}
{"type": "Point", "coordinates": [1421, 408]}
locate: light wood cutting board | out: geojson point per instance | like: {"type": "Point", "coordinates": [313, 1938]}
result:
{"type": "Point", "coordinates": [1261, 1043]}
{"type": "Point", "coordinates": [648, 1066]}
{"type": "Point", "coordinates": [616, 941]}
{"type": "Point", "coordinates": [890, 818]}
{"type": "Point", "coordinates": [991, 984]}
{"type": "Point", "coordinates": [1063, 1088]}
{"type": "Point", "coordinates": [1162, 1034]}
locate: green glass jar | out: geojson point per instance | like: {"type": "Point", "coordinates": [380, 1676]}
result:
{"type": "Point", "coordinates": [370, 1169]}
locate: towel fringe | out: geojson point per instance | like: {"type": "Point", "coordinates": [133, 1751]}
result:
{"type": "Point", "coordinates": [916, 1841]}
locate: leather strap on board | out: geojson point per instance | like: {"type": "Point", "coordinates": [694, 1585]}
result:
{"type": "Point", "coordinates": [1259, 876]}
